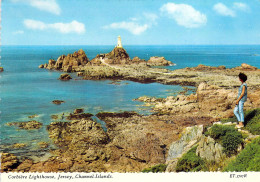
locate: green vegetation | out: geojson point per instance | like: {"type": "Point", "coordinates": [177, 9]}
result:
{"type": "Point", "coordinates": [190, 162]}
{"type": "Point", "coordinates": [155, 169]}
{"type": "Point", "coordinates": [252, 121]}
{"type": "Point", "coordinates": [248, 159]}
{"type": "Point", "coordinates": [228, 136]}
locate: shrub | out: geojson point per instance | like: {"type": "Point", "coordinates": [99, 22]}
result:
{"type": "Point", "coordinates": [231, 141]}
{"type": "Point", "coordinates": [190, 162]}
{"type": "Point", "coordinates": [155, 169]}
{"type": "Point", "coordinates": [228, 136]}
{"type": "Point", "coordinates": [248, 159]}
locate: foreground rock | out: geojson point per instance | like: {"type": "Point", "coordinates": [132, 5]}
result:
{"type": "Point", "coordinates": [8, 162]}
{"type": "Point", "coordinates": [29, 125]}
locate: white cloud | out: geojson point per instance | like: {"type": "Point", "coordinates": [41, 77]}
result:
{"type": "Point", "coordinates": [132, 27]}
{"type": "Point", "coordinates": [184, 15]}
{"type": "Point", "coordinates": [18, 32]}
{"type": "Point", "coordinates": [136, 25]}
{"type": "Point", "coordinates": [72, 27]}
{"type": "Point", "coordinates": [223, 10]}
{"type": "Point", "coordinates": [50, 6]}
{"type": "Point", "coordinates": [241, 6]}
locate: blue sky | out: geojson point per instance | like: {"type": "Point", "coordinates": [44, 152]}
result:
{"type": "Point", "coordinates": [138, 22]}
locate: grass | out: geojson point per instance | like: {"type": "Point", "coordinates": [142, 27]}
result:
{"type": "Point", "coordinates": [248, 159]}
{"type": "Point", "coordinates": [228, 136]}
{"type": "Point", "coordinates": [252, 121]}
{"type": "Point", "coordinates": [190, 162]}
{"type": "Point", "coordinates": [155, 169]}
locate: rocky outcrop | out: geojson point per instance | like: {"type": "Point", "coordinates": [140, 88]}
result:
{"type": "Point", "coordinates": [246, 67]}
{"type": "Point", "coordinates": [70, 63]}
{"type": "Point", "coordinates": [210, 150]}
{"type": "Point", "coordinates": [1, 69]}
{"type": "Point", "coordinates": [158, 61]}
{"type": "Point", "coordinates": [77, 111]}
{"type": "Point", "coordinates": [189, 138]}
{"type": "Point", "coordinates": [65, 77]}
{"type": "Point", "coordinates": [70, 133]}
{"type": "Point", "coordinates": [79, 116]}
{"type": "Point", "coordinates": [8, 162]}
{"type": "Point", "coordinates": [18, 145]}
{"type": "Point", "coordinates": [29, 125]}
{"type": "Point", "coordinates": [117, 56]}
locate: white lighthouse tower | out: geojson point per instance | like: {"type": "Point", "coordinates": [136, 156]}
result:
{"type": "Point", "coordinates": [119, 43]}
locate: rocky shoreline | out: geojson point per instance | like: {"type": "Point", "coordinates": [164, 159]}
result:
{"type": "Point", "coordinates": [133, 142]}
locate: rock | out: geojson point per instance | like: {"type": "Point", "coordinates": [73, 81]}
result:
{"type": "Point", "coordinates": [117, 56]}
{"type": "Point", "coordinates": [189, 138]}
{"type": "Point", "coordinates": [248, 67]}
{"type": "Point", "coordinates": [79, 116]}
{"type": "Point", "coordinates": [8, 162]}
{"type": "Point", "coordinates": [79, 74]}
{"type": "Point", "coordinates": [158, 61]}
{"type": "Point", "coordinates": [210, 150]}
{"type": "Point", "coordinates": [1, 69]}
{"type": "Point", "coordinates": [29, 125]}
{"type": "Point", "coordinates": [33, 116]}
{"type": "Point", "coordinates": [54, 116]}
{"type": "Point", "coordinates": [65, 77]}
{"type": "Point", "coordinates": [78, 134]}
{"type": "Point", "coordinates": [18, 145]}
{"type": "Point", "coordinates": [43, 144]}
{"type": "Point", "coordinates": [137, 60]}
{"type": "Point", "coordinates": [25, 166]}
{"type": "Point", "coordinates": [58, 102]}
{"type": "Point", "coordinates": [77, 111]}
{"type": "Point", "coordinates": [69, 63]}
{"type": "Point", "coordinates": [125, 114]}
{"type": "Point", "coordinates": [41, 66]}
{"type": "Point", "coordinates": [51, 64]}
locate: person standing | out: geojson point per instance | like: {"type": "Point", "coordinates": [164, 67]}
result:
{"type": "Point", "coordinates": [241, 99]}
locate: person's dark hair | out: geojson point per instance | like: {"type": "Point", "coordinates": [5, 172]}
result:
{"type": "Point", "coordinates": [242, 76]}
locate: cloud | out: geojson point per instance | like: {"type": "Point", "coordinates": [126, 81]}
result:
{"type": "Point", "coordinates": [241, 6]}
{"type": "Point", "coordinates": [224, 10]}
{"type": "Point", "coordinates": [50, 6]}
{"type": "Point", "coordinates": [184, 15]}
{"type": "Point", "coordinates": [132, 27]}
{"type": "Point", "coordinates": [72, 27]}
{"type": "Point", "coordinates": [136, 25]}
{"type": "Point", "coordinates": [18, 32]}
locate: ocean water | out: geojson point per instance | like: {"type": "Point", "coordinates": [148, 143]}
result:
{"type": "Point", "coordinates": [27, 90]}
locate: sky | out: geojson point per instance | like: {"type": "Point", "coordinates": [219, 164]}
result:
{"type": "Point", "coordinates": [138, 22]}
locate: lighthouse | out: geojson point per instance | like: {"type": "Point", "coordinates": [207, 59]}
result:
{"type": "Point", "coordinates": [119, 43]}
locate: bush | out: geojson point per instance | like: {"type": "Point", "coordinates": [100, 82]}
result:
{"type": "Point", "coordinates": [155, 169]}
{"type": "Point", "coordinates": [190, 162]}
{"type": "Point", "coordinates": [231, 141]}
{"type": "Point", "coordinates": [248, 159]}
{"type": "Point", "coordinates": [228, 136]}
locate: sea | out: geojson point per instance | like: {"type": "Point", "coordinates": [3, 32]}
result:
{"type": "Point", "coordinates": [27, 90]}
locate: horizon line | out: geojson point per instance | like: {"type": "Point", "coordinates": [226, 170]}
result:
{"type": "Point", "coordinates": [129, 45]}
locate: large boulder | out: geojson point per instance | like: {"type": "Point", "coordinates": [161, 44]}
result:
{"type": "Point", "coordinates": [158, 61]}
{"type": "Point", "coordinates": [189, 138]}
{"type": "Point", "coordinates": [210, 150]}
